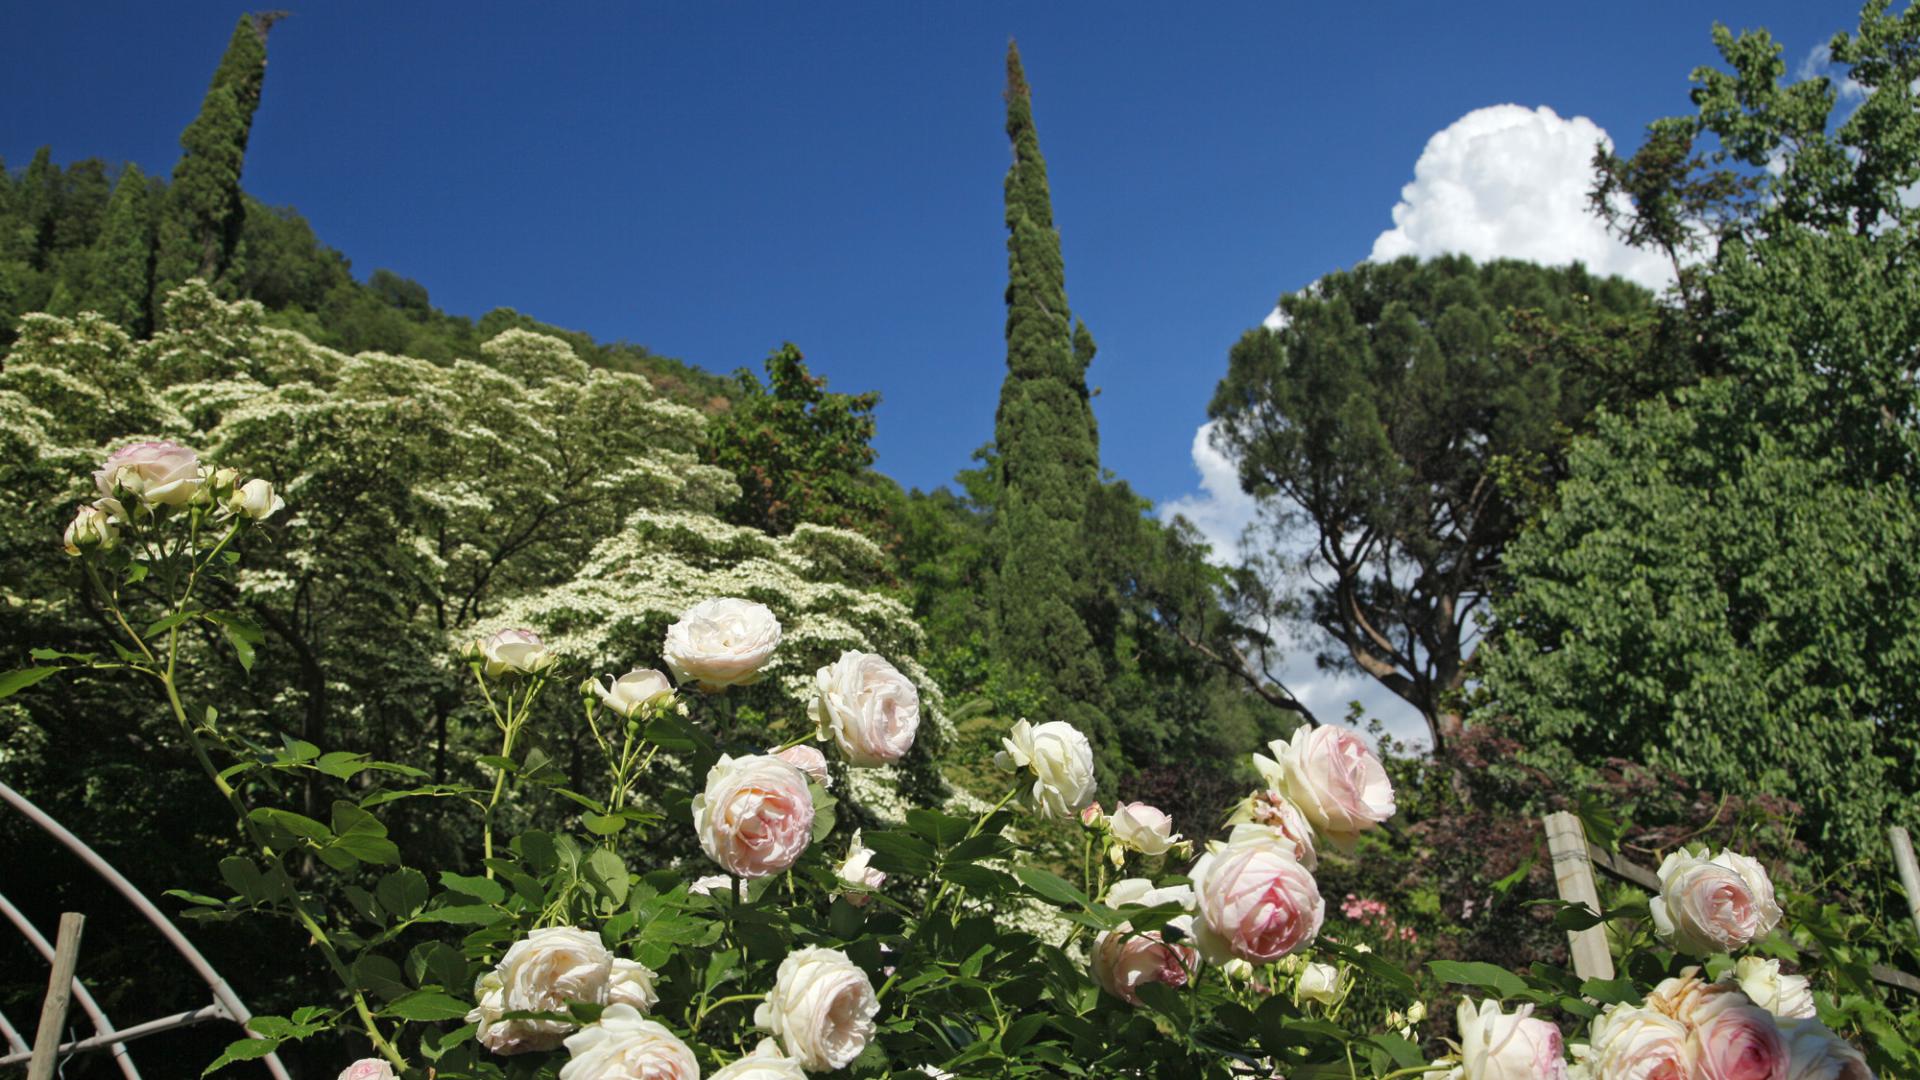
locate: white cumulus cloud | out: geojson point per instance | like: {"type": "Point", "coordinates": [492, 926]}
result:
{"type": "Point", "coordinates": [1511, 182]}
{"type": "Point", "coordinates": [1219, 510]}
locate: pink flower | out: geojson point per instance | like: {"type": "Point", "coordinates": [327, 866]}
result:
{"type": "Point", "coordinates": [368, 1069]}
{"type": "Point", "coordinates": [869, 710]}
{"type": "Point", "coordinates": [755, 816]}
{"type": "Point", "coordinates": [1145, 829]}
{"type": "Point", "coordinates": [1508, 1046]}
{"type": "Point", "coordinates": [1709, 905]}
{"type": "Point", "coordinates": [1090, 815]}
{"type": "Point", "coordinates": [1256, 902]}
{"type": "Point", "coordinates": [809, 761]}
{"type": "Point", "coordinates": [1815, 1053]}
{"type": "Point", "coordinates": [162, 473]}
{"type": "Point", "coordinates": [1338, 784]}
{"type": "Point", "coordinates": [1124, 961]}
{"type": "Point", "coordinates": [1736, 1040]}
{"type": "Point", "coordinates": [1274, 810]}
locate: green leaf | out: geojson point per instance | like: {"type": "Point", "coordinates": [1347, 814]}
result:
{"type": "Point", "coordinates": [136, 573]}
{"type": "Point", "coordinates": [341, 764]}
{"type": "Point", "coordinates": [482, 889]}
{"type": "Point", "coordinates": [1022, 1031]}
{"type": "Point", "coordinates": [15, 681]}
{"type": "Point", "coordinates": [1611, 991]}
{"type": "Point", "coordinates": [427, 1005]}
{"type": "Point", "coordinates": [168, 622]}
{"type": "Point", "coordinates": [1492, 977]}
{"type": "Point", "coordinates": [402, 892]}
{"type": "Point", "coordinates": [603, 824]}
{"type": "Point", "coordinates": [244, 1050]}
{"type": "Point", "coordinates": [608, 874]}
{"type": "Point", "coordinates": [242, 649]}
{"type": "Point", "coordinates": [1051, 887]}
{"type": "Point", "coordinates": [294, 824]}
{"type": "Point", "coordinates": [1577, 917]}
{"type": "Point", "coordinates": [463, 915]}
{"type": "Point", "coordinates": [944, 830]}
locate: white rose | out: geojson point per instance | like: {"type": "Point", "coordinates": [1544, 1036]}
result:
{"type": "Point", "coordinates": [541, 972]}
{"type": "Point", "coordinates": [1143, 828]}
{"type": "Point", "coordinates": [158, 473]}
{"type": "Point", "coordinates": [710, 884]}
{"type": "Point", "coordinates": [1272, 809]}
{"type": "Point", "coordinates": [755, 816]}
{"type": "Point", "coordinates": [1317, 982]}
{"type": "Point", "coordinates": [95, 527]}
{"type": "Point", "coordinates": [809, 761]}
{"type": "Point", "coordinates": [765, 1063]}
{"type": "Point", "coordinates": [623, 1045]}
{"type": "Point", "coordinates": [1770, 988]}
{"type": "Point", "coordinates": [255, 499]}
{"type": "Point", "coordinates": [1144, 893]}
{"type": "Point", "coordinates": [866, 707]}
{"type": "Point", "coordinates": [1710, 905]}
{"type": "Point", "coordinates": [631, 983]}
{"type": "Point", "coordinates": [368, 1069]}
{"type": "Point", "coordinates": [821, 1008]}
{"type": "Point", "coordinates": [641, 688]}
{"type": "Point", "coordinates": [1815, 1053]}
{"type": "Point", "coordinates": [1508, 1046]}
{"type": "Point", "coordinates": [516, 652]}
{"type": "Point", "coordinates": [1631, 1042]}
{"type": "Point", "coordinates": [1062, 764]}
{"type": "Point", "coordinates": [857, 870]}
{"type": "Point", "coordinates": [1335, 780]}
{"type": "Point", "coordinates": [722, 643]}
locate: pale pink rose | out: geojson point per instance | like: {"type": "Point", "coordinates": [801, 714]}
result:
{"type": "Point", "coordinates": [158, 473]}
{"type": "Point", "coordinates": [809, 761]}
{"type": "Point", "coordinates": [368, 1069]}
{"type": "Point", "coordinates": [1508, 1046]}
{"type": "Point", "coordinates": [541, 972]}
{"type": "Point", "coordinates": [821, 1008]}
{"type": "Point", "coordinates": [1776, 991]}
{"type": "Point", "coordinates": [623, 1045]}
{"type": "Point", "coordinates": [1143, 828]}
{"type": "Point", "coordinates": [1273, 810]}
{"type": "Point", "coordinates": [1256, 902]}
{"type": "Point", "coordinates": [1091, 814]}
{"type": "Point", "coordinates": [1734, 1039]}
{"type": "Point", "coordinates": [638, 690]}
{"type": "Point", "coordinates": [255, 499]}
{"type": "Point", "coordinates": [755, 816]}
{"type": "Point", "coordinates": [1334, 779]}
{"type": "Point", "coordinates": [1637, 1043]}
{"type": "Point", "coordinates": [765, 1063]}
{"type": "Point", "coordinates": [721, 643]}
{"type": "Point", "coordinates": [1681, 996]}
{"type": "Point", "coordinates": [1815, 1053]}
{"type": "Point", "coordinates": [857, 870]}
{"type": "Point", "coordinates": [1124, 961]}
{"type": "Point", "coordinates": [869, 710]}
{"type": "Point", "coordinates": [630, 982]}
{"type": "Point", "coordinates": [1710, 905]}
{"type": "Point", "coordinates": [516, 652]}
{"type": "Point", "coordinates": [95, 527]}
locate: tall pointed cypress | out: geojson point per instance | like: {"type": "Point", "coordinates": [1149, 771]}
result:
{"type": "Point", "coordinates": [204, 214]}
{"type": "Point", "coordinates": [1049, 458]}
{"type": "Point", "coordinates": [123, 256]}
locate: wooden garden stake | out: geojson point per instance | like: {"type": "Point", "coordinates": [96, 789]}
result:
{"type": "Point", "coordinates": [1573, 876]}
{"type": "Point", "coordinates": [1909, 871]}
{"type": "Point", "coordinates": [53, 1011]}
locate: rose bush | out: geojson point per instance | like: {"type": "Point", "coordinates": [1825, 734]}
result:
{"type": "Point", "coordinates": [839, 940]}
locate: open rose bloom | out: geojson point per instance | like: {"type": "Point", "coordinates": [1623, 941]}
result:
{"type": "Point", "coordinates": [866, 708]}
{"type": "Point", "coordinates": [624, 1045]}
{"type": "Point", "coordinates": [1496, 1045]}
{"type": "Point", "coordinates": [721, 643]}
{"type": "Point", "coordinates": [821, 1009]}
{"type": "Point", "coordinates": [1709, 905]}
{"type": "Point", "coordinates": [755, 816]}
{"type": "Point", "coordinates": [1334, 779]}
{"type": "Point", "coordinates": [1061, 760]}
{"type": "Point", "coordinates": [157, 473]}
{"type": "Point", "coordinates": [1256, 902]}
{"type": "Point", "coordinates": [544, 972]}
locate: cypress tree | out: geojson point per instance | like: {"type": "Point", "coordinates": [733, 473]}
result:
{"type": "Point", "coordinates": [205, 211]}
{"type": "Point", "coordinates": [1048, 454]}
{"type": "Point", "coordinates": [39, 202]}
{"type": "Point", "coordinates": [123, 257]}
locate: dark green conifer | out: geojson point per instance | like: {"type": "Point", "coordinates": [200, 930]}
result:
{"type": "Point", "coordinates": [123, 256]}
{"type": "Point", "coordinates": [1048, 455]}
{"type": "Point", "coordinates": [205, 211]}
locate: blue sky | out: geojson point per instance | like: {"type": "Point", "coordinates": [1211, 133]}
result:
{"type": "Point", "coordinates": [713, 179]}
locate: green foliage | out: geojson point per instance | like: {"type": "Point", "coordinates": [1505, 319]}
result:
{"type": "Point", "coordinates": [123, 256]}
{"type": "Point", "coordinates": [1048, 457]}
{"type": "Point", "coordinates": [205, 212]}
{"type": "Point", "coordinates": [800, 452]}
{"type": "Point", "coordinates": [1382, 418]}
{"type": "Point", "coordinates": [1727, 584]}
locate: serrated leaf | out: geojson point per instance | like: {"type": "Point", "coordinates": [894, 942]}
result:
{"type": "Point", "coordinates": [485, 890]}
{"type": "Point", "coordinates": [1051, 886]}
{"type": "Point", "coordinates": [426, 1005]}
{"type": "Point", "coordinates": [244, 1050]}
{"type": "Point", "coordinates": [402, 892]}
{"type": "Point", "coordinates": [1492, 977]}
